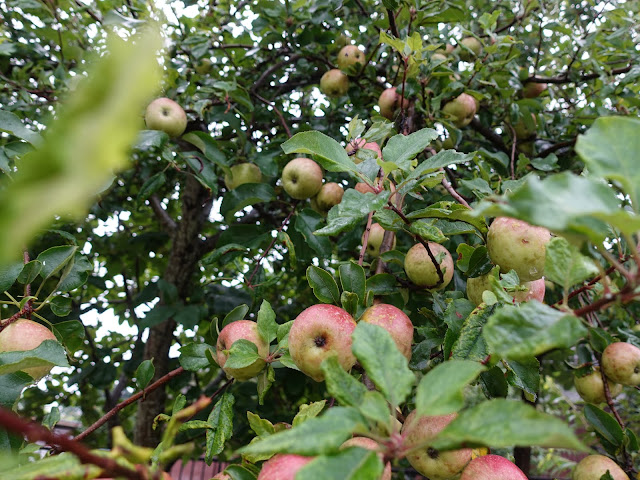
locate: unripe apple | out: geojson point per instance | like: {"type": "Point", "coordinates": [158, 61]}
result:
{"type": "Point", "coordinates": [369, 444]}
{"type": "Point", "coordinates": [23, 335]}
{"type": "Point", "coordinates": [302, 178]}
{"type": "Point", "coordinates": [461, 109]}
{"type": "Point", "coordinates": [389, 102]}
{"type": "Point", "coordinates": [447, 50]}
{"type": "Point", "coordinates": [515, 245]}
{"type": "Point", "coordinates": [421, 270]}
{"type": "Point", "coordinates": [473, 44]}
{"type": "Point", "coordinates": [394, 321]}
{"type": "Point", "coordinates": [350, 55]}
{"type": "Point", "coordinates": [526, 131]}
{"type": "Point", "coordinates": [533, 89]}
{"type": "Point", "coordinates": [246, 330]}
{"type": "Point", "coordinates": [334, 83]}
{"type": "Point", "coordinates": [427, 460]}
{"type": "Point", "coordinates": [319, 332]}
{"type": "Point", "coordinates": [620, 362]}
{"type": "Point", "coordinates": [492, 467]}
{"type": "Point", "coordinates": [241, 174]}
{"type": "Point", "coordinates": [376, 235]}
{"type": "Point", "coordinates": [282, 467]}
{"type": "Point", "coordinates": [329, 195]}
{"type": "Point", "coordinates": [477, 286]}
{"type": "Point", "coordinates": [204, 66]}
{"type": "Point", "coordinates": [594, 467]}
{"type": "Point", "coordinates": [166, 115]}
{"type": "Point", "coordinates": [591, 387]}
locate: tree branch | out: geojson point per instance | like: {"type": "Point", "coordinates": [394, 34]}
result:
{"type": "Point", "coordinates": [489, 134]}
{"type": "Point", "coordinates": [167, 222]}
{"type": "Point", "coordinates": [564, 78]}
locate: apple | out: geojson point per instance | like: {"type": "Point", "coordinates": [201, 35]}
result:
{"type": "Point", "coordinates": [438, 57]}
{"type": "Point", "coordinates": [247, 330]}
{"type": "Point", "coordinates": [319, 332]}
{"type": "Point", "coordinates": [204, 66]}
{"type": "Point", "coordinates": [350, 55]}
{"type": "Point", "coordinates": [594, 467]}
{"type": "Point", "coordinates": [283, 467]}
{"type": "Point", "coordinates": [389, 102]}
{"type": "Point", "coordinates": [447, 50]}
{"type": "Point", "coordinates": [166, 115]}
{"type": "Point", "coordinates": [533, 89]}
{"type": "Point", "coordinates": [526, 130]}
{"type": "Point", "coordinates": [394, 321]}
{"type": "Point", "coordinates": [364, 188]}
{"type": "Point", "coordinates": [427, 460]}
{"type": "Point", "coordinates": [620, 362]}
{"type": "Point", "coordinates": [461, 109]}
{"type": "Point", "coordinates": [354, 146]}
{"type": "Point", "coordinates": [302, 178]}
{"type": "Point", "coordinates": [369, 444]}
{"type": "Point", "coordinates": [329, 195]}
{"type": "Point", "coordinates": [516, 245]}
{"type": "Point", "coordinates": [492, 467]}
{"type": "Point", "coordinates": [241, 174]}
{"type": "Point", "coordinates": [476, 287]}
{"type": "Point", "coordinates": [23, 335]}
{"type": "Point", "coordinates": [421, 270]}
{"type": "Point", "coordinates": [334, 83]}
{"type": "Point", "coordinates": [473, 44]}
{"type": "Point", "coordinates": [376, 235]}
{"type": "Point", "coordinates": [591, 387]}
{"type": "Point", "coordinates": [535, 291]}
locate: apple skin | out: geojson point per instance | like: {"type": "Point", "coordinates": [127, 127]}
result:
{"type": "Point", "coordinates": [334, 83]}
{"type": "Point", "coordinates": [594, 466]}
{"type": "Point", "coordinates": [461, 109]}
{"type": "Point", "coordinates": [438, 57]}
{"type": "Point", "coordinates": [515, 245]}
{"type": "Point", "coordinates": [389, 102]}
{"type": "Point", "coordinates": [447, 50]}
{"type": "Point", "coordinates": [591, 388]}
{"type": "Point", "coordinates": [221, 476]}
{"type": "Point", "coordinates": [394, 321]}
{"type": "Point", "coordinates": [23, 335]}
{"type": "Point", "coordinates": [492, 467]}
{"type": "Point", "coordinates": [241, 174]}
{"type": "Point", "coordinates": [533, 89]}
{"type": "Point", "coordinates": [620, 362]}
{"type": "Point", "coordinates": [421, 270]}
{"type": "Point", "coordinates": [329, 196]}
{"type": "Point", "coordinates": [350, 55]}
{"type": "Point", "coordinates": [369, 444]}
{"type": "Point", "coordinates": [376, 235]}
{"type": "Point", "coordinates": [364, 188]}
{"type": "Point", "coordinates": [319, 332]}
{"type": "Point", "coordinates": [430, 462]}
{"type": "Point", "coordinates": [472, 44]}
{"type": "Point", "coordinates": [166, 115]}
{"type": "Point", "coordinates": [247, 330]}
{"type": "Point", "coordinates": [476, 287]}
{"type": "Point", "coordinates": [283, 467]}
{"type": "Point", "coordinates": [302, 178]}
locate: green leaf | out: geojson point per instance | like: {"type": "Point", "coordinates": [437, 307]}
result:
{"type": "Point", "coordinates": [349, 302]}
{"type": "Point", "coordinates": [604, 424]}
{"type": "Point", "coordinates": [470, 344]}
{"type": "Point", "coordinates": [244, 196]}
{"type": "Point", "coordinates": [343, 387]}
{"type": "Point", "coordinates": [308, 411]}
{"type": "Point", "coordinates": [237, 472]}
{"type": "Point", "coordinates": [144, 373]}
{"type": "Point", "coordinates": [10, 123]}
{"type": "Point", "coordinates": [531, 329]}
{"type": "Point", "coordinates": [265, 379]}
{"type": "Point", "coordinates": [385, 365]}
{"type": "Point", "coordinates": [502, 423]}
{"type": "Point", "coordinates": [350, 464]}
{"type": "Point", "coordinates": [316, 436]}
{"type": "Point", "coordinates": [565, 265]}
{"type": "Point", "coordinates": [11, 386]}
{"type": "Point", "coordinates": [524, 374]}
{"type": "Point", "coordinates": [353, 279]}
{"type": "Point", "coordinates": [221, 423]}
{"type": "Point", "coordinates": [9, 274]}
{"type": "Point", "coordinates": [54, 259]}
{"type": "Point", "coordinates": [267, 326]}
{"type": "Point", "coordinates": [204, 142]}
{"type": "Point", "coordinates": [193, 356]}
{"type": "Point", "coordinates": [324, 286]}
{"type": "Point", "coordinates": [237, 313]}
{"type": "Point", "coordinates": [375, 408]}
{"type": "Point", "coordinates": [30, 272]}
{"type": "Point", "coordinates": [242, 354]}
{"type": "Point", "coordinates": [48, 354]}
{"type": "Point", "coordinates": [450, 211]}
{"type": "Point", "coordinates": [400, 150]}
{"type": "Point", "coordinates": [70, 333]}
{"type": "Point", "coordinates": [261, 426]}
{"type": "Point", "coordinates": [150, 187]}
{"type": "Point", "coordinates": [427, 231]}
{"type": "Point", "coordinates": [150, 139]}
{"type": "Point", "coordinates": [307, 222]}
{"type": "Point", "coordinates": [352, 210]}
{"type": "Point", "coordinates": [60, 306]}
{"type": "Point", "coordinates": [203, 170]}
{"type": "Point", "coordinates": [441, 390]}
{"type": "Point", "coordinates": [382, 284]}
{"type": "Point", "coordinates": [328, 153]}
{"type": "Point", "coordinates": [441, 159]}
{"type": "Point", "coordinates": [609, 149]}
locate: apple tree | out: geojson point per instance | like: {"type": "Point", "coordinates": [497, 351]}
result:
{"type": "Point", "coordinates": [349, 239]}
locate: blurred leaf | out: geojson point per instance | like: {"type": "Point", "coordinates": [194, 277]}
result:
{"type": "Point", "coordinates": [151, 186]}
{"type": "Point", "coordinates": [350, 464]}
{"type": "Point", "coordinates": [565, 265]}
{"type": "Point", "coordinates": [308, 411]}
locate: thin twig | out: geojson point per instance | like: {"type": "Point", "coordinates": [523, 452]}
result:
{"type": "Point", "coordinates": [513, 151]}
{"type": "Point", "coordinates": [452, 191]}
{"type": "Point", "coordinates": [278, 112]}
{"type": "Point", "coordinates": [582, 78]}
{"type": "Point", "coordinates": [607, 395]}
{"type": "Point", "coordinates": [365, 239]}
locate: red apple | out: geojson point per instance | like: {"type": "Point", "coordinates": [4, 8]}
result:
{"type": "Point", "coordinates": [621, 363]}
{"type": "Point", "coordinates": [247, 330]}
{"type": "Point", "coordinates": [422, 271]}
{"type": "Point", "coordinates": [364, 188]}
{"type": "Point", "coordinates": [394, 321]}
{"type": "Point", "coordinates": [594, 467]}
{"type": "Point", "coordinates": [389, 102]}
{"type": "Point", "coordinates": [369, 444]}
{"type": "Point", "coordinates": [317, 333]}
{"type": "Point", "coordinates": [533, 89]}
{"type": "Point", "coordinates": [492, 467]}
{"type": "Point", "coordinates": [302, 178]}
{"type": "Point", "coordinates": [283, 467]}
{"type": "Point", "coordinates": [23, 335]}
{"type": "Point", "coordinates": [166, 115]}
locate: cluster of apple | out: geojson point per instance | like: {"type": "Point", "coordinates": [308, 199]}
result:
{"type": "Point", "coordinates": [335, 82]}
{"type": "Point", "coordinates": [23, 335]}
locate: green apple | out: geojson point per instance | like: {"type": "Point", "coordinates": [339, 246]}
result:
{"type": "Point", "coordinates": [166, 115]}
{"type": "Point", "coordinates": [302, 178]}
{"type": "Point", "coordinates": [334, 83]}
{"type": "Point", "coordinates": [350, 55]}
{"type": "Point", "coordinates": [620, 362]}
{"type": "Point", "coordinates": [282, 467]}
{"type": "Point", "coordinates": [526, 130]}
{"type": "Point", "coordinates": [394, 321]}
{"type": "Point", "coordinates": [422, 271]}
{"type": "Point", "coordinates": [470, 43]}
{"type": "Point", "coordinates": [23, 335]}
{"type": "Point", "coordinates": [241, 174]}
{"type": "Point", "coordinates": [594, 467]}
{"type": "Point", "coordinates": [515, 245]}
{"type": "Point", "coordinates": [329, 196]}
{"type": "Point", "coordinates": [591, 387]}
{"type": "Point", "coordinates": [319, 332]}
{"type": "Point", "coordinates": [369, 444]}
{"type": "Point", "coordinates": [389, 102]}
{"type": "Point", "coordinates": [376, 235]}
{"type": "Point", "coordinates": [533, 89]}
{"type": "Point", "coordinates": [204, 66]}
{"type": "Point", "coordinates": [241, 330]}
{"type": "Point", "coordinates": [492, 467]}
{"type": "Point", "coordinates": [447, 50]}
{"type": "Point", "coordinates": [461, 110]}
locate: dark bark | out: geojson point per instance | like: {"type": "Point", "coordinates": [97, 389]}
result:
{"type": "Point", "coordinates": [181, 267]}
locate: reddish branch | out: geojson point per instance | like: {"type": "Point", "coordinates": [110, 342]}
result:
{"type": "Point", "coordinates": [37, 433]}
{"type": "Point", "coordinates": [452, 191]}
{"type": "Point", "coordinates": [607, 395]}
